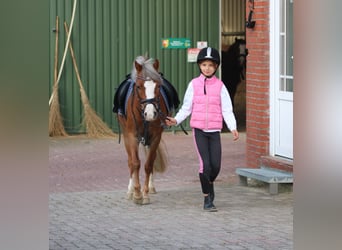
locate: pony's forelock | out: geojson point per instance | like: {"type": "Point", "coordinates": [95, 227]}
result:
{"type": "Point", "coordinates": [147, 69]}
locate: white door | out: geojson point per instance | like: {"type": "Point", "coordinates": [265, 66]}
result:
{"type": "Point", "coordinates": [281, 81]}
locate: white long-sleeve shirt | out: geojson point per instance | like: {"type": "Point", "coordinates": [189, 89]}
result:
{"type": "Point", "coordinates": [226, 104]}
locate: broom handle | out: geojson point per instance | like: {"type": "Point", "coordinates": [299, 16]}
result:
{"type": "Point", "coordinates": [56, 53]}
{"type": "Point", "coordinates": [73, 59]}
{"type": "Point", "coordinates": [66, 48]}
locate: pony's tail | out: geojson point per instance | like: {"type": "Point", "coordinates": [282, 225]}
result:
{"type": "Point", "coordinates": [160, 164]}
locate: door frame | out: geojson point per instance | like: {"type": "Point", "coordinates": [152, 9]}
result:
{"type": "Point", "coordinates": [275, 93]}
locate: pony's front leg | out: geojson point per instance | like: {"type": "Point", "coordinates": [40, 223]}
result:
{"type": "Point", "coordinates": [134, 188]}
{"type": "Point", "coordinates": [151, 156]}
{"type": "Point", "coordinates": [151, 188]}
{"type": "Point", "coordinates": [146, 197]}
{"type": "Point", "coordinates": [130, 190]}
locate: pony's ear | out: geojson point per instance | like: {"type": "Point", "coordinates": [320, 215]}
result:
{"type": "Point", "coordinates": [138, 66]}
{"type": "Point", "coordinates": [156, 64]}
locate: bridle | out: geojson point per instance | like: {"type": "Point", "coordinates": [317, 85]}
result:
{"type": "Point", "coordinates": [144, 138]}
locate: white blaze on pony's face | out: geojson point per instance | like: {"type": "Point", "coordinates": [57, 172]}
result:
{"type": "Point", "coordinates": [243, 55]}
{"type": "Point", "coordinates": [150, 112]}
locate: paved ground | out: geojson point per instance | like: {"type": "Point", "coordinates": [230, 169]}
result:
{"type": "Point", "coordinates": [88, 207]}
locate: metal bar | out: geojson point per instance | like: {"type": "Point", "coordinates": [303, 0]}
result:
{"type": "Point", "coordinates": [237, 33]}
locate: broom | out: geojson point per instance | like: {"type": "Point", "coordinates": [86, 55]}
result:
{"type": "Point", "coordinates": [56, 127]}
{"type": "Point", "coordinates": [94, 125]}
{"type": "Point", "coordinates": [66, 49]}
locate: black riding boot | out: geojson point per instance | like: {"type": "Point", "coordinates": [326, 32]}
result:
{"type": "Point", "coordinates": [212, 194]}
{"type": "Point", "coordinates": [208, 205]}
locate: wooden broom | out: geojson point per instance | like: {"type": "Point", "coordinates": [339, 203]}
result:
{"type": "Point", "coordinates": [56, 127]}
{"type": "Point", "coordinates": [95, 126]}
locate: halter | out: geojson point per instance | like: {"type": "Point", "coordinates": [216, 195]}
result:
{"type": "Point", "coordinates": [244, 55]}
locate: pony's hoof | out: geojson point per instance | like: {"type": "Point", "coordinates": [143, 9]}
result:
{"type": "Point", "coordinates": [129, 196]}
{"type": "Point", "coordinates": [138, 200]}
{"type": "Point", "coordinates": [146, 201]}
{"type": "Point", "coordinates": [152, 190]}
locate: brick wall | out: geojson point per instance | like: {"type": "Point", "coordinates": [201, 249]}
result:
{"type": "Point", "coordinates": [257, 85]}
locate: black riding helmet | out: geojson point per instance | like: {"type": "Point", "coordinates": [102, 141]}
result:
{"type": "Point", "coordinates": [209, 53]}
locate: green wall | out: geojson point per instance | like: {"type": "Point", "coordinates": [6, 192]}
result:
{"type": "Point", "coordinates": [108, 34]}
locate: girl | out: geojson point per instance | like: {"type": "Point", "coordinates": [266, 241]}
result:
{"type": "Point", "coordinates": [208, 102]}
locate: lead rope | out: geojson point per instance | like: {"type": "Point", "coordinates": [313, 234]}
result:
{"type": "Point", "coordinates": [119, 129]}
{"type": "Point", "coordinates": [164, 116]}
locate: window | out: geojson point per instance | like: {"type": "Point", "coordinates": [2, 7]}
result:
{"type": "Point", "coordinates": [286, 45]}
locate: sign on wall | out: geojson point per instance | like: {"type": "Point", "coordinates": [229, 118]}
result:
{"type": "Point", "coordinates": [193, 52]}
{"type": "Point", "coordinates": [176, 43]}
{"type": "Point", "coordinates": [202, 44]}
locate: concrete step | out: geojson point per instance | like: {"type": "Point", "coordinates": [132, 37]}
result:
{"type": "Point", "coordinates": [271, 176]}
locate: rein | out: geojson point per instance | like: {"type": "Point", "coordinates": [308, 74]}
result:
{"type": "Point", "coordinates": [162, 116]}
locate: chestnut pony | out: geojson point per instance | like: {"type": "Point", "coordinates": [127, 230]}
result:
{"type": "Point", "coordinates": [143, 123]}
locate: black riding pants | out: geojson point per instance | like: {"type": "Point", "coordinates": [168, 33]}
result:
{"type": "Point", "coordinates": [208, 145]}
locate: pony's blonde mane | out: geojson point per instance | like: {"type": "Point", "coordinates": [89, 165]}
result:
{"type": "Point", "coordinates": [148, 71]}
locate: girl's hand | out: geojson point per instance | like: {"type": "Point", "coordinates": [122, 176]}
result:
{"type": "Point", "coordinates": [235, 135]}
{"type": "Point", "coordinates": [170, 121]}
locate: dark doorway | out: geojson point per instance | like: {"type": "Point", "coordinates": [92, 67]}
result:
{"type": "Point", "coordinates": [233, 14]}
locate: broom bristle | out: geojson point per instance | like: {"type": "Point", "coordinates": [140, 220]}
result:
{"type": "Point", "coordinates": [56, 127]}
{"type": "Point", "coordinates": [94, 125]}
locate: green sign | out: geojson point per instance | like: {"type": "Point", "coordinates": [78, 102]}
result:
{"type": "Point", "coordinates": [175, 43]}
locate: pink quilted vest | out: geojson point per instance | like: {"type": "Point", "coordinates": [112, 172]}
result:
{"type": "Point", "coordinates": [206, 107]}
